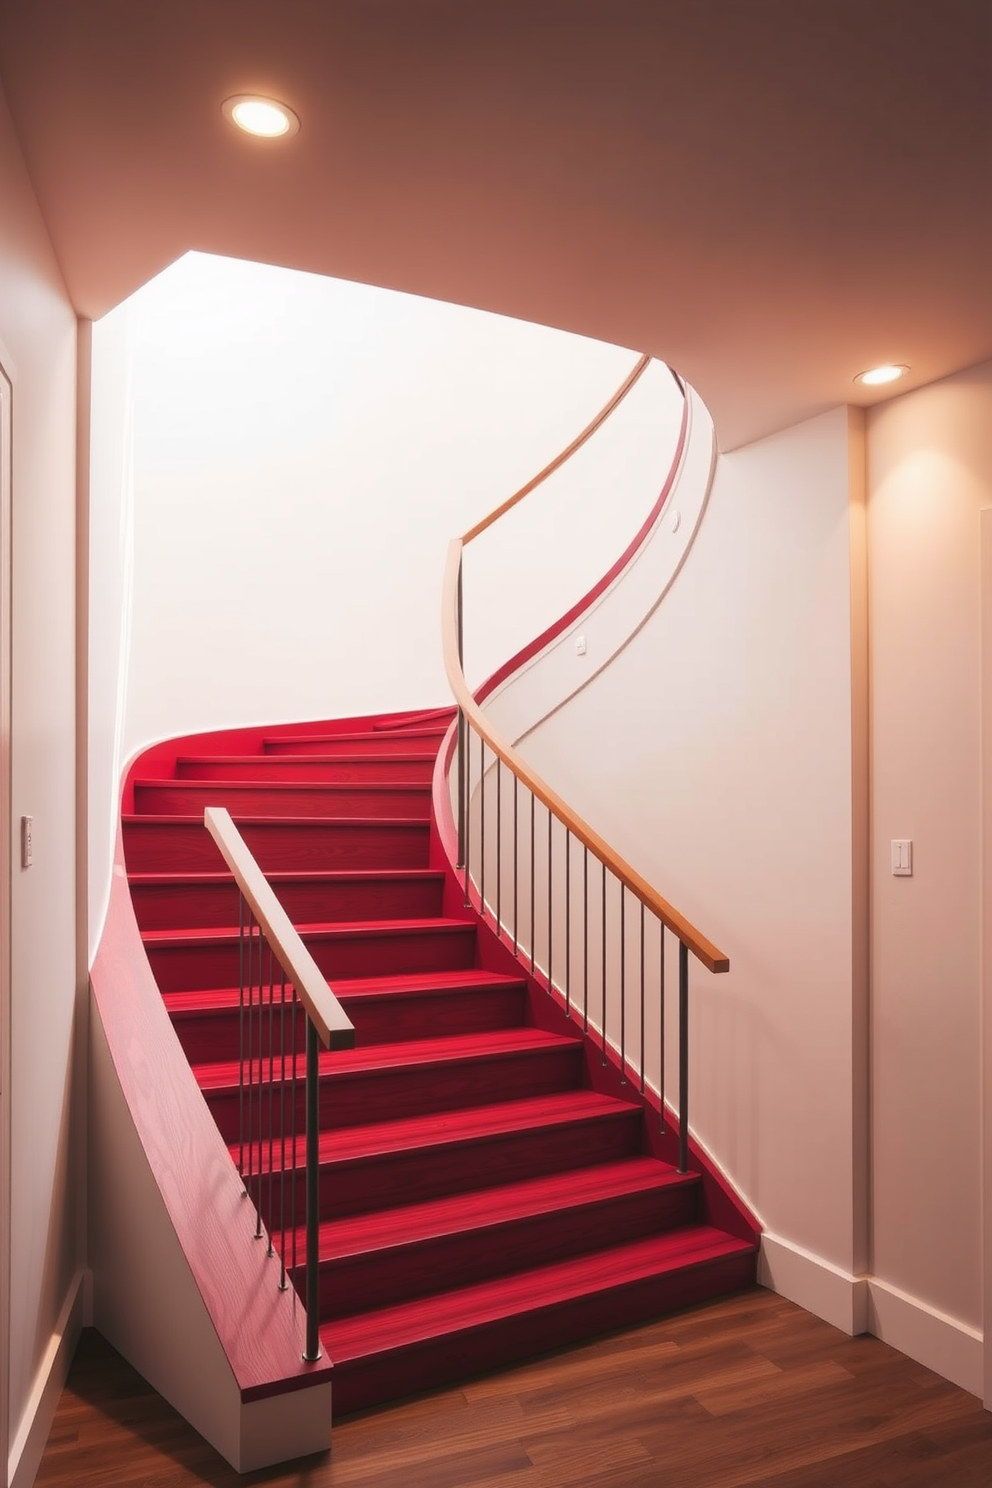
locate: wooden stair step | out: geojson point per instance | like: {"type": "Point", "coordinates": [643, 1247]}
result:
{"type": "Point", "coordinates": [413, 1078]}
{"type": "Point", "coordinates": [202, 958]}
{"type": "Point", "coordinates": [367, 742]}
{"type": "Point", "coordinates": [392, 1255]}
{"type": "Point", "coordinates": [454, 1334]}
{"type": "Point", "coordinates": [195, 901]}
{"type": "Point", "coordinates": [284, 798]}
{"type": "Point", "coordinates": [407, 768]}
{"type": "Point", "coordinates": [295, 843]}
{"type": "Point", "coordinates": [418, 1157]}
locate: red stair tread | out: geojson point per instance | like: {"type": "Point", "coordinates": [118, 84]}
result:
{"type": "Point", "coordinates": [321, 930]}
{"type": "Point", "coordinates": [277, 876]}
{"type": "Point", "coordinates": [466, 1126]}
{"type": "Point", "coordinates": [428, 731]}
{"type": "Point", "coordinates": [457, 1048]}
{"type": "Point", "coordinates": [267, 762]}
{"type": "Point", "coordinates": [457, 1213]}
{"type": "Point", "coordinates": [446, 1314]}
{"type": "Point", "coordinates": [471, 980]}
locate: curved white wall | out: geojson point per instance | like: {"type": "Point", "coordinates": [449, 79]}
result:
{"type": "Point", "coordinates": [276, 481]}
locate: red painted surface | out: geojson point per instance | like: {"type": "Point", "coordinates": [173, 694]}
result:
{"type": "Point", "coordinates": [486, 1188]}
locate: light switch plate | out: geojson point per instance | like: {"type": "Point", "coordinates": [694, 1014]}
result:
{"type": "Point", "coordinates": [902, 857]}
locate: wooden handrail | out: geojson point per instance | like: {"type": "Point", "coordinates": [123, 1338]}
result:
{"type": "Point", "coordinates": [636, 372]}
{"type": "Point", "coordinates": [702, 948]}
{"type": "Point", "coordinates": [334, 1028]}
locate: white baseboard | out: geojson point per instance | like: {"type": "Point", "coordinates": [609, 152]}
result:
{"type": "Point", "coordinates": [814, 1283]}
{"type": "Point", "coordinates": [28, 1442]}
{"type": "Point", "coordinates": [866, 1304]}
{"type": "Point", "coordinates": [945, 1345]}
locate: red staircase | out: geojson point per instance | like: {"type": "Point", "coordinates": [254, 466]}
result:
{"type": "Point", "coordinates": [488, 1188]}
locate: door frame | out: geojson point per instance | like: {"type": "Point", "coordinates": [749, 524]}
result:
{"type": "Point", "coordinates": [6, 851]}
{"type": "Point", "coordinates": [985, 880]}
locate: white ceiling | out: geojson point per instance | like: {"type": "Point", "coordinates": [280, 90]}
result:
{"type": "Point", "coordinates": [770, 194]}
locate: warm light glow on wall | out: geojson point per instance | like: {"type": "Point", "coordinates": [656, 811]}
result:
{"type": "Point", "coordinates": [878, 376]}
{"type": "Point", "coordinates": [262, 117]}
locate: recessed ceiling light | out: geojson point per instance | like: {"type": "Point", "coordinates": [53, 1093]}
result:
{"type": "Point", "coordinates": [891, 372]}
{"type": "Point", "coordinates": [264, 117]}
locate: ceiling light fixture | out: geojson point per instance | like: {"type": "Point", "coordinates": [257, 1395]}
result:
{"type": "Point", "coordinates": [265, 118]}
{"type": "Point", "coordinates": [891, 372]}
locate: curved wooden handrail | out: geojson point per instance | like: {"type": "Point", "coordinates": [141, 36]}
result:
{"type": "Point", "coordinates": [334, 1028]}
{"type": "Point", "coordinates": [637, 371]}
{"type": "Point", "coordinates": [702, 948]}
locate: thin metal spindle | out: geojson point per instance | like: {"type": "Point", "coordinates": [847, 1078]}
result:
{"type": "Point", "coordinates": [683, 1056]}
{"type": "Point", "coordinates": [499, 847]}
{"type": "Point", "coordinates": [313, 1216]}
{"type": "Point", "coordinates": [623, 988]}
{"type": "Point", "coordinates": [259, 1032]}
{"type": "Point", "coordinates": [293, 1096]}
{"type": "Point", "coordinates": [642, 1000]}
{"type": "Point", "coordinates": [482, 826]}
{"type": "Point", "coordinates": [604, 965]}
{"type": "Point", "coordinates": [250, 1079]}
{"type": "Point", "coordinates": [468, 815]}
{"type": "Point", "coordinates": [533, 930]}
{"type": "Point", "coordinates": [272, 1100]}
{"type": "Point", "coordinates": [241, 1038]}
{"type": "Point", "coordinates": [550, 896]}
{"type": "Point", "coordinates": [461, 732]}
{"type": "Point", "coordinates": [282, 1135]}
{"type": "Point", "coordinates": [661, 1014]}
{"type": "Point", "coordinates": [516, 865]}
{"type": "Point", "coordinates": [568, 923]}
{"type": "Point", "coordinates": [585, 939]}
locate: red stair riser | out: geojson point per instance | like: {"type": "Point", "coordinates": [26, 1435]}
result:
{"type": "Point", "coordinates": [400, 769]}
{"type": "Point", "coordinates": [212, 1036]}
{"type": "Point", "coordinates": [286, 798]}
{"type": "Point", "coordinates": [192, 905]}
{"type": "Point", "coordinates": [185, 846]}
{"type": "Point", "coordinates": [358, 1283]}
{"type": "Point", "coordinates": [417, 1089]}
{"type": "Point", "coordinates": [433, 1172]}
{"type": "Point", "coordinates": [459, 1357]}
{"type": "Point", "coordinates": [186, 965]}
{"type": "Point", "coordinates": [427, 740]}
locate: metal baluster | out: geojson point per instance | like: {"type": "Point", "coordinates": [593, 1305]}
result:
{"type": "Point", "coordinates": [313, 1196]}
{"type": "Point", "coordinates": [468, 814]}
{"type": "Point", "coordinates": [661, 1001]}
{"type": "Point", "coordinates": [241, 1039]}
{"type": "Point", "coordinates": [568, 923]}
{"type": "Point", "coordinates": [604, 965]}
{"type": "Point", "coordinates": [293, 1096]}
{"type": "Point", "coordinates": [272, 1097]}
{"type": "Point", "coordinates": [516, 865]}
{"type": "Point", "coordinates": [643, 1052]}
{"type": "Point", "coordinates": [683, 1056]}
{"type": "Point", "coordinates": [259, 1029]}
{"type": "Point", "coordinates": [585, 939]}
{"type": "Point", "coordinates": [282, 1135]}
{"type": "Point", "coordinates": [461, 733]}
{"type": "Point", "coordinates": [499, 847]}
{"type": "Point", "coordinates": [550, 900]}
{"type": "Point", "coordinates": [482, 826]}
{"type": "Point", "coordinates": [623, 988]}
{"type": "Point", "coordinates": [533, 930]}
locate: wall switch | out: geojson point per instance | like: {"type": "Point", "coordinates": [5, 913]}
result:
{"type": "Point", "coordinates": [27, 841]}
{"type": "Point", "coordinates": [902, 857]}
{"type": "Point", "coordinates": [580, 645]}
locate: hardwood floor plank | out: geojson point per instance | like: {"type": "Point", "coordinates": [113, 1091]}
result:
{"type": "Point", "coordinates": [749, 1390]}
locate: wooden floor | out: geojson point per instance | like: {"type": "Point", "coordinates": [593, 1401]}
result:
{"type": "Point", "coordinates": [747, 1390]}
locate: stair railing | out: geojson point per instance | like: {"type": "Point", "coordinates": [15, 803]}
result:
{"type": "Point", "coordinates": [270, 1002]}
{"type": "Point", "coordinates": [614, 897]}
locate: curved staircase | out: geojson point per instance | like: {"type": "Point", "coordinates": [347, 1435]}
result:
{"type": "Point", "coordinates": [489, 1187]}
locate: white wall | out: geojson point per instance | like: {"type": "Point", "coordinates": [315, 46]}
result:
{"type": "Point", "coordinates": [715, 753]}
{"type": "Point", "coordinates": [38, 349]}
{"type": "Point", "coordinates": [278, 464]}
{"type": "Point", "coordinates": [930, 476]}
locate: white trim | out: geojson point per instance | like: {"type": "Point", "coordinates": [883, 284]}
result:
{"type": "Point", "coordinates": [814, 1283]}
{"type": "Point", "coordinates": [32, 1432]}
{"type": "Point", "coordinates": [6, 849]}
{"type": "Point", "coordinates": [866, 1304]}
{"type": "Point", "coordinates": [985, 880]}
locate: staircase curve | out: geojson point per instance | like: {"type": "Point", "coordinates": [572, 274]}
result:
{"type": "Point", "coordinates": [497, 1172]}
